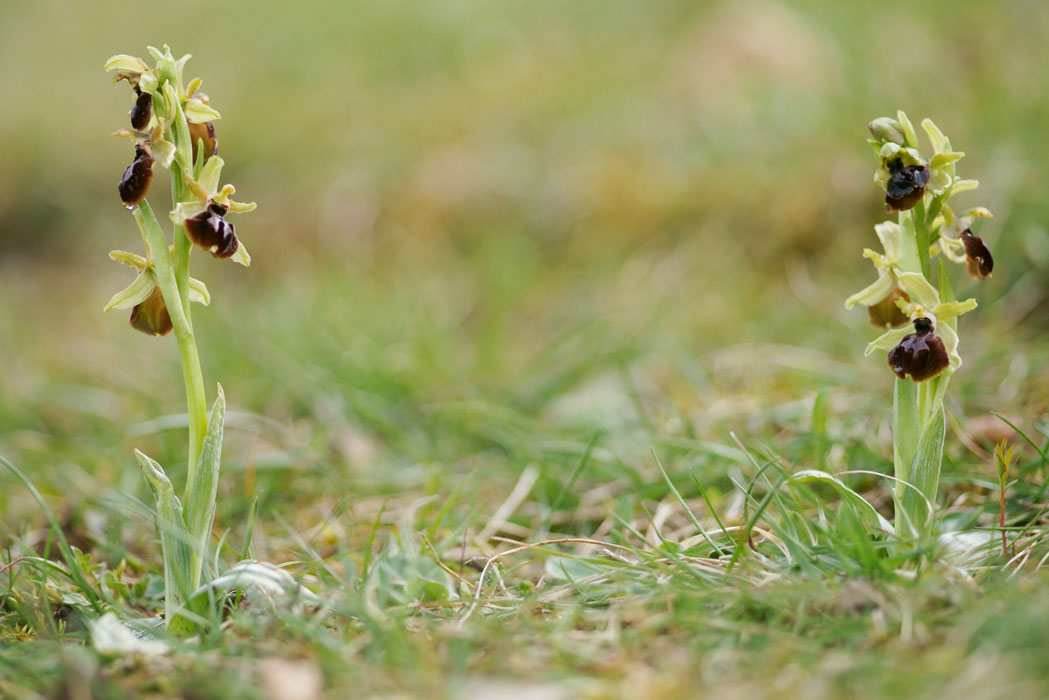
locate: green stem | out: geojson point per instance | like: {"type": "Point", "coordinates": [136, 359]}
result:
{"type": "Point", "coordinates": [178, 132]}
{"type": "Point", "coordinates": [915, 405]}
{"type": "Point", "coordinates": [922, 237]}
{"type": "Point", "coordinates": [165, 271]}
{"type": "Point", "coordinates": [182, 249]}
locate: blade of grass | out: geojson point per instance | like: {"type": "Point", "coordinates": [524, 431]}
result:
{"type": "Point", "coordinates": [63, 544]}
{"type": "Point", "coordinates": [684, 506]}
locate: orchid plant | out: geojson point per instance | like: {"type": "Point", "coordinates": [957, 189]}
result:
{"type": "Point", "coordinates": [172, 126]}
{"type": "Point", "coordinates": [916, 309]}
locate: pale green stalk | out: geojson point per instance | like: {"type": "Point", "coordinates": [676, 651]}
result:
{"type": "Point", "coordinates": [167, 280]}
{"type": "Point", "coordinates": [917, 407]}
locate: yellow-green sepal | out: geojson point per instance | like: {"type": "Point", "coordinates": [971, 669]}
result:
{"type": "Point", "coordinates": [134, 294]}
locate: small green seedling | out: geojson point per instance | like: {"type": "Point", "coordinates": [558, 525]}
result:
{"type": "Point", "coordinates": [1003, 462]}
{"type": "Point", "coordinates": [917, 309]}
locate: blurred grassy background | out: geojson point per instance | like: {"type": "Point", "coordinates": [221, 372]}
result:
{"type": "Point", "coordinates": [488, 234]}
{"type": "Point", "coordinates": [487, 230]}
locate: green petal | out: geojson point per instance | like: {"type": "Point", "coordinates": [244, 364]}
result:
{"type": "Point", "coordinates": [873, 293]}
{"type": "Point", "coordinates": [950, 344]}
{"type": "Point", "coordinates": [148, 82]}
{"type": "Point", "coordinates": [124, 257]}
{"type": "Point", "coordinates": [163, 151]}
{"type": "Point", "coordinates": [955, 308]}
{"type": "Point", "coordinates": [941, 160]}
{"type": "Point", "coordinates": [940, 143]}
{"type": "Point", "coordinates": [964, 186]}
{"type": "Point", "coordinates": [209, 176]}
{"type": "Point", "coordinates": [939, 180]}
{"type": "Point", "coordinates": [198, 292]}
{"type": "Point", "coordinates": [887, 340]}
{"type": "Point", "coordinates": [199, 113]}
{"type": "Point", "coordinates": [241, 256]}
{"type": "Point", "coordinates": [951, 248]}
{"type": "Point", "coordinates": [919, 289]}
{"type": "Point", "coordinates": [184, 210]}
{"type": "Point", "coordinates": [908, 129]}
{"type": "Point", "coordinates": [134, 294]}
{"type": "Point", "coordinates": [123, 61]}
{"type": "Point", "coordinates": [889, 235]}
{"type": "Point", "coordinates": [241, 207]}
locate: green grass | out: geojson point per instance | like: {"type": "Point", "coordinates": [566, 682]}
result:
{"type": "Point", "coordinates": [507, 258]}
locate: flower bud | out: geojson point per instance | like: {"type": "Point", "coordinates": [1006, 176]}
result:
{"type": "Point", "coordinates": [978, 258]}
{"type": "Point", "coordinates": [886, 313]}
{"type": "Point", "coordinates": [142, 110]}
{"type": "Point", "coordinates": [921, 354]}
{"type": "Point", "coordinates": [906, 185]}
{"type": "Point", "coordinates": [151, 316]}
{"type": "Point", "coordinates": [887, 129]}
{"type": "Point", "coordinates": [210, 230]}
{"type": "Point", "coordinates": [203, 132]}
{"type": "Point", "coordinates": [135, 183]}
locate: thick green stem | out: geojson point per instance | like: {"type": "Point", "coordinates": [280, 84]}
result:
{"type": "Point", "coordinates": [178, 132]}
{"type": "Point", "coordinates": [917, 407]}
{"type": "Point", "coordinates": [165, 270]}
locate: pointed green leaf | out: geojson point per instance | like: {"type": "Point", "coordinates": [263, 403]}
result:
{"type": "Point", "coordinates": [175, 541]}
{"type": "Point", "coordinates": [904, 429]}
{"type": "Point", "coordinates": [868, 514]}
{"type": "Point", "coordinates": [925, 471]}
{"type": "Point", "coordinates": [200, 496]}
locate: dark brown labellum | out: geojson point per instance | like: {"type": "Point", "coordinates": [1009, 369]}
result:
{"type": "Point", "coordinates": [906, 185]}
{"type": "Point", "coordinates": [977, 256]}
{"type": "Point", "coordinates": [920, 354]}
{"type": "Point", "coordinates": [142, 110]}
{"type": "Point", "coordinates": [205, 132]}
{"type": "Point", "coordinates": [210, 230]}
{"type": "Point", "coordinates": [151, 316]}
{"type": "Point", "coordinates": [135, 183]}
{"type": "Point", "coordinates": [886, 313]}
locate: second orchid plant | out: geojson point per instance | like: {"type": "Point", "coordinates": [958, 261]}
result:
{"type": "Point", "coordinates": [916, 307]}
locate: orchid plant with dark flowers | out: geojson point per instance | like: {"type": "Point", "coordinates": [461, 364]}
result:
{"type": "Point", "coordinates": [172, 127]}
{"type": "Point", "coordinates": [917, 310]}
